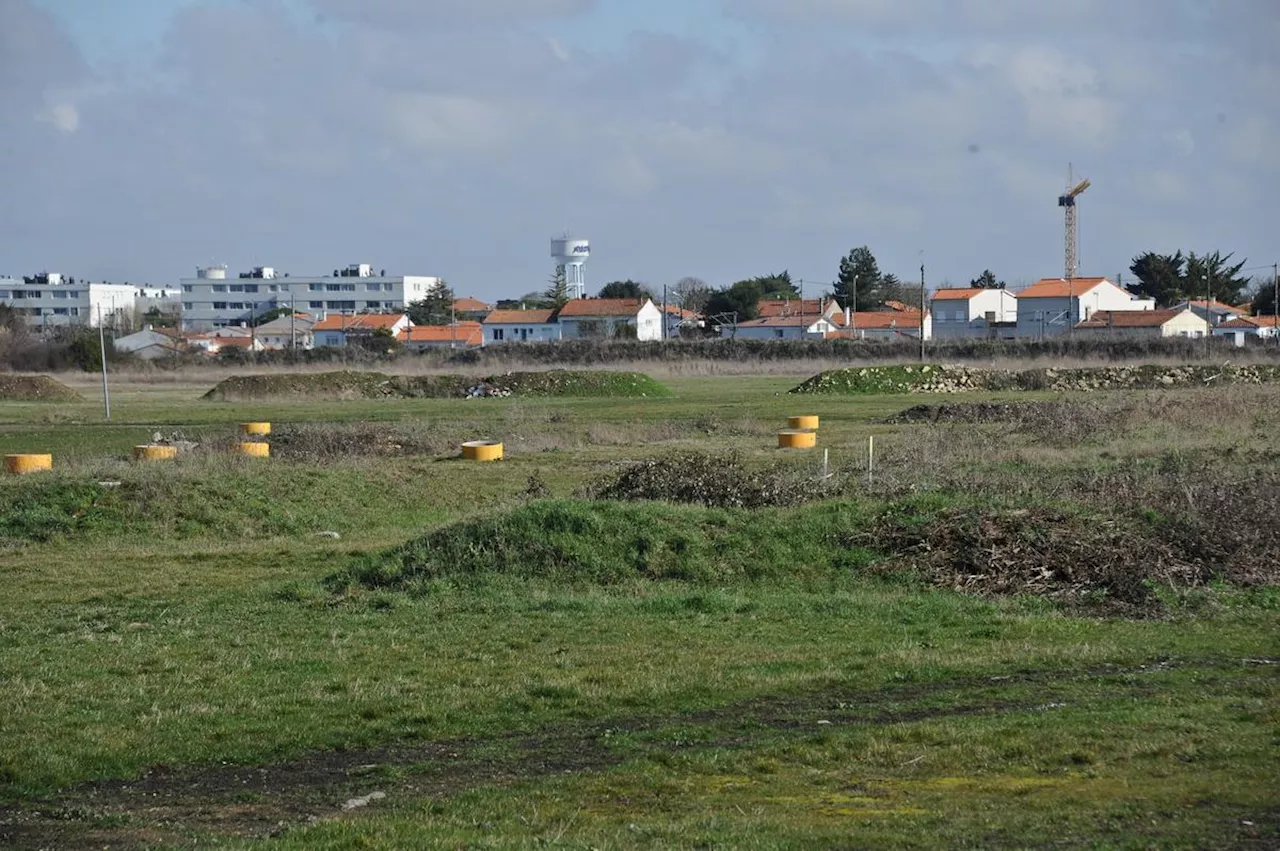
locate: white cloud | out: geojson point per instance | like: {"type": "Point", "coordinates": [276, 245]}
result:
{"type": "Point", "coordinates": [61, 114]}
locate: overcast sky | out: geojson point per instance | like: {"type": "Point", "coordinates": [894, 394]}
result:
{"type": "Point", "coordinates": [716, 138]}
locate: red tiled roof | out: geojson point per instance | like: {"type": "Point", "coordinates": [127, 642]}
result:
{"type": "Point", "coordinates": [234, 342]}
{"type": "Point", "coordinates": [900, 307]}
{"type": "Point", "coordinates": [957, 294]}
{"type": "Point", "coordinates": [1061, 287]}
{"type": "Point", "coordinates": [359, 322]}
{"type": "Point", "coordinates": [466, 333]}
{"type": "Point", "coordinates": [880, 319]}
{"type": "Point", "coordinates": [470, 305]}
{"type": "Point", "coordinates": [1130, 318]}
{"type": "Point", "coordinates": [1252, 322]}
{"type": "Point", "coordinates": [519, 317]}
{"type": "Point", "coordinates": [785, 307]}
{"type": "Point", "coordinates": [601, 307]}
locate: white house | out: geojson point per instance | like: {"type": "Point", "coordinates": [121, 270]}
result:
{"type": "Point", "coordinates": [1054, 306]}
{"type": "Point", "coordinates": [287, 332]}
{"type": "Point", "coordinates": [1242, 328]}
{"type": "Point", "coordinates": [338, 331]}
{"type": "Point", "coordinates": [972, 312]}
{"type": "Point", "coordinates": [1143, 323]}
{"type": "Point", "coordinates": [460, 335]}
{"type": "Point", "coordinates": [795, 327]}
{"type": "Point", "coordinates": [885, 325]}
{"type": "Point", "coordinates": [520, 326]}
{"type": "Point", "coordinates": [211, 299]}
{"type": "Point", "coordinates": [150, 343]}
{"type": "Point", "coordinates": [1215, 311]}
{"type": "Point", "coordinates": [582, 318]}
{"type": "Point", "coordinates": [49, 299]}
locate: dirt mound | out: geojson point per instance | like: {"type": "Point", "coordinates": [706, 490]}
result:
{"type": "Point", "coordinates": [35, 388]}
{"type": "Point", "coordinates": [972, 412]}
{"type": "Point", "coordinates": [376, 385]}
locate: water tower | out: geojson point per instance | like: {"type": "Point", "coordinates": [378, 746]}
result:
{"type": "Point", "coordinates": [572, 254]}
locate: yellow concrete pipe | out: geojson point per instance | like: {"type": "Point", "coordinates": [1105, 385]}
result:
{"type": "Point", "coordinates": [22, 464]}
{"type": "Point", "coordinates": [796, 439]}
{"type": "Point", "coordinates": [808, 422]}
{"type": "Point", "coordinates": [154, 452]}
{"type": "Point", "coordinates": [255, 429]}
{"type": "Point", "coordinates": [482, 450]}
{"type": "Point", "coordinates": [254, 449]}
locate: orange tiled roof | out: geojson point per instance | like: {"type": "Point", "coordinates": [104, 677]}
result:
{"type": "Point", "coordinates": [790, 306]}
{"type": "Point", "coordinates": [470, 305]}
{"type": "Point", "coordinates": [1251, 322]}
{"type": "Point", "coordinates": [359, 322]}
{"type": "Point", "coordinates": [1061, 287]}
{"type": "Point", "coordinates": [466, 333]}
{"type": "Point", "coordinates": [957, 294]}
{"type": "Point", "coordinates": [1129, 318]}
{"type": "Point", "coordinates": [884, 319]}
{"type": "Point", "coordinates": [518, 317]}
{"type": "Point", "coordinates": [601, 307]}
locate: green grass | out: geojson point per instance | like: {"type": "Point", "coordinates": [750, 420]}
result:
{"type": "Point", "coordinates": [656, 676]}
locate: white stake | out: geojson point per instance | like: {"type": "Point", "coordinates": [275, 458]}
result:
{"type": "Point", "coordinates": [871, 458]}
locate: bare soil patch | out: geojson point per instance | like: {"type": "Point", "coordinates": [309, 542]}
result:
{"type": "Point", "coordinates": [35, 388]}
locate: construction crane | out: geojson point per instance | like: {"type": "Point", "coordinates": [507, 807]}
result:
{"type": "Point", "coordinates": [1068, 203]}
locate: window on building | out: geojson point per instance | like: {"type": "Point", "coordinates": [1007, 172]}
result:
{"type": "Point", "coordinates": [186, 305]}
{"type": "Point", "coordinates": [236, 305]}
{"type": "Point", "coordinates": [75, 311]}
{"type": "Point", "coordinates": [273, 288]}
{"type": "Point", "coordinates": [74, 293]}
{"type": "Point", "coordinates": [319, 304]}
{"type": "Point", "coordinates": [373, 288]}
{"type": "Point", "coordinates": [219, 305]}
{"type": "Point", "coordinates": [778, 333]}
{"type": "Point", "coordinates": [375, 305]}
{"type": "Point", "coordinates": [333, 288]}
{"type": "Point", "coordinates": [186, 288]}
{"type": "Point", "coordinates": [497, 334]}
{"type": "Point", "coordinates": [59, 294]}
{"type": "Point", "coordinates": [348, 288]}
{"type": "Point", "coordinates": [219, 288]}
{"type": "Point", "coordinates": [237, 288]}
{"type": "Point", "coordinates": [60, 311]}
{"type": "Point", "coordinates": [4, 294]}
{"type": "Point", "coordinates": [315, 288]}
{"type": "Point", "coordinates": [252, 288]}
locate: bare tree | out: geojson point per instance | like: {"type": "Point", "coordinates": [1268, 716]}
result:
{"type": "Point", "coordinates": [691, 294]}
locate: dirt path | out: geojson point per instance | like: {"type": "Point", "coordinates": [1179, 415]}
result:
{"type": "Point", "coordinates": [179, 806]}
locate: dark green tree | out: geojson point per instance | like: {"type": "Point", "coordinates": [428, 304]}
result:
{"type": "Point", "coordinates": [1160, 276]}
{"type": "Point", "coordinates": [557, 292]}
{"type": "Point", "coordinates": [625, 289]}
{"type": "Point", "coordinates": [742, 298]}
{"type": "Point", "coordinates": [435, 308]}
{"type": "Point", "coordinates": [1216, 276]}
{"type": "Point", "coordinates": [1264, 297]}
{"type": "Point", "coordinates": [987, 281]}
{"type": "Point", "coordinates": [859, 281]}
{"type": "Point", "coordinates": [778, 285]}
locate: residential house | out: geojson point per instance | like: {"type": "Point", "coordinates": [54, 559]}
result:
{"type": "Point", "coordinates": [470, 309]}
{"type": "Point", "coordinates": [151, 343]}
{"type": "Point", "coordinates": [790, 327]}
{"type": "Point", "coordinates": [582, 318]}
{"type": "Point", "coordinates": [814, 307]}
{"type": "Point", "coordinates": [1054, 306]}
{"type": "Point", "coordinates": [1213, 310]}
{"type": "Point", "coordinates": [884, 325]}
{"type": "Point", "coordinates": [680, 321]}
{"type": "Point", "coordinates": [212, 344]}
{"type": "Point", "coordinates": [287, 332]}
{"type": "Point", "coordinates": [973, 312]}
{"type": "Point", "coordinates": [520, 326]}
{"type": "Point", "coordinates": [1143, 323]}
{"type": "Point", "coordinates": [340, 330]}
{"type": "Point", "coordinates": [462, 335]}
{"type": "Point", "coordinates": [1244, 328]}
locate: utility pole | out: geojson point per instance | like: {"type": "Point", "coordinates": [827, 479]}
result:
{"type": "Point", "coordinates": [1275, 301]}
{"type": "Point", "coordinates": [665, 318]}
{"type": "Point", "coordinates": [853, 315]}
{"type": "Point", "coordinates": [293, 323]}
{"type": "Point", "coordinates": [102, 349]}
{"type": "Point", "coordinates": [921, 313]}
{"type": "Point", "coordinates": [1208, 306]}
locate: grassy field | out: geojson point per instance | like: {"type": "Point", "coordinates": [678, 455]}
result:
{"type": "Point", "coordinates": [496, 656]}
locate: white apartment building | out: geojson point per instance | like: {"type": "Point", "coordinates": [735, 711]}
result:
{"type": "Point", "coordinates": [48, 300]}
{"type": "Point", "coordinates": [213, 300]}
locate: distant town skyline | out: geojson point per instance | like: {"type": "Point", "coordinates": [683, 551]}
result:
{"type": "Point", "coordinates": [723, 140]}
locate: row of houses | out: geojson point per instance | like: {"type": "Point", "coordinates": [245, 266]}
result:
{"type": "Point", "coordinates": [1048, 308]}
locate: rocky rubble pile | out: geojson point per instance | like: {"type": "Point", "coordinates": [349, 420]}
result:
{"type": "Point", "coordinates": [939, 378]}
